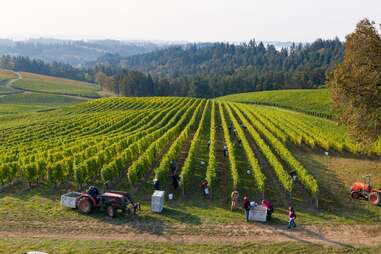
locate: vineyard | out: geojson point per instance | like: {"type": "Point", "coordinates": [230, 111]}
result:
{"type": "Point", "coordinates": [133, 141]}
{"type": "Point", "coordinates": [311, 101]}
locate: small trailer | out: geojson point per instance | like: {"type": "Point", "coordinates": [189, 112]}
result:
{"type": "Point", "coordinates": [110, 201]}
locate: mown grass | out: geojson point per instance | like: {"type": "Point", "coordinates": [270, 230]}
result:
{"type": "Point", "coordinates": [12, 245]}
{"type": "Point", "coordinates": [15, 108]}
{"type": "Point", "coordinates": [47, 84]}
{"type": "Point", "coordinates": [307, 100]}
{"type": "Point", "coordinates": [38, 99]}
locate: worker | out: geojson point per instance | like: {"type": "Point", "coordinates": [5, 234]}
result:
{"type": "Point", "coordinates": [93, 191]}
{"type": "Point", "coordinates": [246, 207]}
{"type": "Point", "coordinates": [175, 181]}
{"type": "Point", "coordinates": [269, 207]}
{"type": "Point", "coordinates": [225, 150]}
{"type": "Point", "coordinates": [156, 184]}
{"type": "Point", "coordinates": [205, 188]}
{"type": "Point", "coordinates": [291, 217]}
{"type": "Point", "coordinates": [234, 196]}
{"type": "Point", "coordinates": [208, 143]}
{"type": "Point", "coordinates": [239, 142]}
{"type": "Point", "coordinates": [173, 167]}
{"type": "Point", "coordinates": [230, 126]}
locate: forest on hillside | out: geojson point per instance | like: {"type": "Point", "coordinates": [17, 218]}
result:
{"type": "Point", "coordinates": [222, 68]}
{"type": "Point", "coordinates": [200, 70]}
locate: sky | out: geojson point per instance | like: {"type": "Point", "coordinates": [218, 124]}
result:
{"type": "Point", "coordinates": [185, 20]}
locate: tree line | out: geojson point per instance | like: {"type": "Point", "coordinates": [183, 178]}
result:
{"type": "Point", "coordinates": [57, 69]}
{"type": "Point", "coordinates": [200, 70]}
{"type": "Point", "coordinates": [217, 69]}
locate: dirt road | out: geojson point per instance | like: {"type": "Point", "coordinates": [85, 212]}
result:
{"type": "Point", "coordinates": [343, 235]}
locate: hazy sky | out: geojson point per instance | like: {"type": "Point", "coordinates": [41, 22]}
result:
{"type": "Point", "coordinates": [185, 20]}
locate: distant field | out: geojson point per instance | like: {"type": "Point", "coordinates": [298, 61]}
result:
{"type": "Point", "coordinates": [48, 84]}
{"type": "Point", "coordinates": [39, 99]}
{"type": "Point", "coordinates": [14, 108]}
{"type": "Point", "coordinates": [6, 74]}
{"type": "Point", "coordinates": [5, 77]}
{"type": "Point", "coordinates": [306, 100]}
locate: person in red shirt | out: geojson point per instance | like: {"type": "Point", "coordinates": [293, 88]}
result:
{"type": "Point", "coordinates": [246, 206]}
{"type": "Point", "coordinates": [267, 204]}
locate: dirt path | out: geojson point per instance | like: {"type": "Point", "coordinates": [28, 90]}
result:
{"type": "Point", "coordinates": [344, 235]}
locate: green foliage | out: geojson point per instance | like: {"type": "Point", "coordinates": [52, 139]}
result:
{"type": "Point", "coordinates": [250, 156]}
{"type": "Point", "coordinates": [230, 147]}
{"type": "Point", "coordinates": [189, 161]}
{"type": "Point", "coordinates": [212, 164]}
{"type": "Point", "coordinates": [355, 84]}
{"type": "Point", "coordinates": [221, 68]}
{"type": "Point", "coordinates": [311, 101]}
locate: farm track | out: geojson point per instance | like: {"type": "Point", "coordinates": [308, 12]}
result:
{"type": "Point", "coordinates": [341, 236]}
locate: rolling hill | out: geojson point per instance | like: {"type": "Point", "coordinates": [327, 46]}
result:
{"type": "Point", "coordinates": [27, 92]}
{"type": "Point", "coordinates": [311, 101]}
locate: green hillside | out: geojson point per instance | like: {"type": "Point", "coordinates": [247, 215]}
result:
{"type": "Point", "coordinates": [304, 100]}
{"type": "Point", "coordinates": [26, 92]}
{"type": "Point", "coordinates": [48, 84]}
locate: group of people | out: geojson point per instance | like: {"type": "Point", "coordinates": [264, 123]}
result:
{"type": "Point", "coordinates": [247, 206]}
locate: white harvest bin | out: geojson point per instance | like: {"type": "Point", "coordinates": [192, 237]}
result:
{"type": "Point", "coordinates": [258, 213]}
{"type": "Point", "coordinates": [70, 199]}
{"type": "Point", "coordinates": [157, 201]}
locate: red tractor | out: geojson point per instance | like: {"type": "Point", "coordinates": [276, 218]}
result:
{"type": "Point", "coordinates": [110, 201]}
{"type": "Point", "coordinates": [365, 190]}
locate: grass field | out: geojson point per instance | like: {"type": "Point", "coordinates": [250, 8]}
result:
{"type": "Point", "coordinates": [305, 100]}
{"type": "Point", "coordinates": [48, 84]}
{"type": "Point", "coordinates": [40, 92]}
{"type": "Point", "coordinates": [10, 245]}
{"type": "Point", "coordinates": [39, 99]}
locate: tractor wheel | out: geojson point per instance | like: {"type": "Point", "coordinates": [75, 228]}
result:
{"type": "Point", "coordinates": [375, 198]}
{"type": "Point", "coordinates": [110, 211]}
{"type": "Point", "coordinates": [84, 205]}
{"type": "Point", "coordinates": [355, 195]}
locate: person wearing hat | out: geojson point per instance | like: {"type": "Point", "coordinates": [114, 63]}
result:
{"type": "Point", "coordinates": [234, 196]}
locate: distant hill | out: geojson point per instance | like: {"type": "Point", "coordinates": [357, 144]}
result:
{"type": "Point", "coordinates": [76, 53]}
{"type": "Point", "coordinates": [27, 92]}
{"type": "Point", "coordinates": [312, 101]}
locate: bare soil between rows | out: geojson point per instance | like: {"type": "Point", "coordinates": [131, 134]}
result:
{"type": "Point", "coordinates": [338, 235]}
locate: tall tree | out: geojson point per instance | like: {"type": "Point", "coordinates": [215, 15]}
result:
{"type": "Point", "coordinates": [355, 84]}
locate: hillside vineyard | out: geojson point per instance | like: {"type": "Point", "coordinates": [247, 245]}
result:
{"type": "Point", "coordinates": [135, 139]}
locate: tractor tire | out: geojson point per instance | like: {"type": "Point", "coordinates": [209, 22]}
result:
{"type": "Point", "coordinates": [84, 205]}
{"type": "Point", "coordinates": [110, 211]}
{"type": "Point", "coordinates": [375, 198]}
{"type": "Point", "coordinates": [355, 195]}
